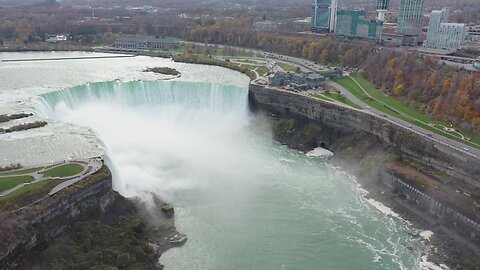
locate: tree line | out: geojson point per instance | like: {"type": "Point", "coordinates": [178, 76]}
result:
{"type": "Point", "coordinates": [446, 93]}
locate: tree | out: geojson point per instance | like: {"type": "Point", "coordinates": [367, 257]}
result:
{"type": "Point", "coordinates": [399, 89]}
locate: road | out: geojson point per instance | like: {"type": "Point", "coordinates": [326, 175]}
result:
{"type": "Point", "coordinates": [93, 166]}
{"type": "Point", "coordinates": [90, 167]}
{"type": "Point", "coordinates": [308, 65]}
{"type": "Point", "coordinates": [473, 152]}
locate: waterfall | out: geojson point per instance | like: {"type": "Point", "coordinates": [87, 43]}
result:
{"type": "Point", "coordinates": [200, 96]}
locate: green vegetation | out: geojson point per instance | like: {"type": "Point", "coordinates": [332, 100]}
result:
{"type": "Point", "coordinates": [263, 70]}
{"type": "Point", "coordinates": [336, 97]}
{"type": "Point", "coordinates": [18, 172]}
{"type": "Point", "coordinates": [118, 240]}
{"type": "Point", "coordinates": [245, 61]}
{"type": "Point", "coordinates": [251, 67]}
{"type": "Point", "coordinates": [204, 60]}
{"type": "Point", "coordinates": [287, 67]}
{"type": "Point", "coordinates": [285, 125]}
{"type": "Point", "coordinates": [64, 170]}
{"type": "Point", "coordinates": [390, 101]}
{"type": "Point", "coordinates": [351, 86]}
{"type": "Point", "coordinates": [327, 72]}
{"type": "Point", "coordinates": [341, 98]}
{"type": "Point", "coordinates": [11, 182]}
{"type": "Point", "coordinates": [397, 105]}
{"type": "Point", "coordinates": [163, 70]}
{"type": "Point", "coordinates": [27, 189]}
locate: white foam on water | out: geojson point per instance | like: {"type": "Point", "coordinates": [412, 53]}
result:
{"type": "Point", "coordinates": [427, 235]}
{"type": "Point", "coordinates": [320, 152]}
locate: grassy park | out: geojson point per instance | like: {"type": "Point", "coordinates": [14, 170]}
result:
{"type": "Point", "coordinates": [28, 189]}
{"type": "Point", "coordinates": [18, 172]}
{"type": "Point", "coordinates": [287, 67]}
{"type": "Point", "coordinates": [393, 107]}
{"type": "Point", "coordinates": [336, 97]}
{"type": "Point", "coordinates": [8, 183]}
{"type": "Point", "coordinates": [64, 170]}
{"type": "Point", "coordinates": [261, 70]}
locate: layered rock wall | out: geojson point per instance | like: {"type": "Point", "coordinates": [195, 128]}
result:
{"type": "Point", "coordinates": [413, 147]}
{"type": "Point", "coordinates": [47, 218]}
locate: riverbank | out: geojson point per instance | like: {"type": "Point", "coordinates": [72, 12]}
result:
{"type": "Point", "coordinates": [365, 156]}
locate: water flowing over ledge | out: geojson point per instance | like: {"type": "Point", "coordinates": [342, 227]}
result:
{"type": "Point", "coordinates": [149, 93]}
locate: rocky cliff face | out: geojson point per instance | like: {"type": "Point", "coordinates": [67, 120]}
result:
{"type": "Point", "coordinates": [411, 146]}
{"type": "Point", "coordinates": [416, 177]}
{"type": "Point", "coordinates": [34, 226]}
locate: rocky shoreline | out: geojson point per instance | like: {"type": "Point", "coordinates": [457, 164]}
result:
{"type": "Point", "coordinates": [297, 133]}
{"type": "Point", "coordinates": [131, 234]}
{"type": "Point", "coordinates": [86, 226]}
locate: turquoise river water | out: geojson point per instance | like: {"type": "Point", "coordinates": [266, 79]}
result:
{"type": "Point", "coordinates": [244, 201]}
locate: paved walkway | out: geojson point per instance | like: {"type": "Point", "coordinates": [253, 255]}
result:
{"type": "Point", "coordinates": [93, 166]}
{"type": "Point", "coordinates": [90, 166]}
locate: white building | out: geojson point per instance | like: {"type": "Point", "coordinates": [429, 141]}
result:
{"type": "Point", "coordinates": [443, 35]}
{"type": "Point", "coordinates": [56, 38]}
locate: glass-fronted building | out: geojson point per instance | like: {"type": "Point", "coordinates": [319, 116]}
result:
{"type": "Point", "coordinates": [382, 7]}
{"type": "Point", "coordinates": [324, 15]}
{"type": "Point", "coordinates": [382, 4]}
{"type": "Point", "coordinates": [353, 24]}
{"type": "Point", "coordinates": [410, 17]}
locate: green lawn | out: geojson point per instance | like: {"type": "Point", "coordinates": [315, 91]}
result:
{"type": "Point", "coordinates": [287, 67]}
{"type": "Point", "coordinates": [326, 72]}
{"type": "Point", "coordinates": [351, 86]}
{"type": "Point", "coordinates": [394, 103]}
{"type": "Point", "coordinates": [244, 61]}
{"type": "Point", "coordinates": [27, 188]}
{"type": "Point", "coordinates": [251, 67]}
{"type": "Point", "coordinates": [64, 170]}
{"type": "Point", "coordinates": [341, 98]}
{"type": "Point", "coordinates": [17, 172]}
{"type": "Point", "coordinates": [263, 71]}
{"type": "Point", "coordinates": [11, 182]}
{"type": "Point", "coordinates": [336, 97]}
{"type": "Point", "coordinates": [397, 105]}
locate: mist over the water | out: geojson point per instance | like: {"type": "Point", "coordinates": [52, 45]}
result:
{"type": "Point", "coordinates": [244, 201]}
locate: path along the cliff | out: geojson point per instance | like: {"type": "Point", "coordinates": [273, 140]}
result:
{"type": "Point", "coordinates": [473, 152]}
{"type": "Point", "coordinates": [91, 166]}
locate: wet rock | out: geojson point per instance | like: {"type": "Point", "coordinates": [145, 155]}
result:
{"type": "Point", "coordinates": [123, 259]}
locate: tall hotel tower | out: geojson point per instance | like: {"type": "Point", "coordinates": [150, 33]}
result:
{"type": "Point", "coordinates": [410, 17]}
{"type": "Point", "coordinates": [324, 14]}
{"type": "Point", "coordinates": [382, 8]}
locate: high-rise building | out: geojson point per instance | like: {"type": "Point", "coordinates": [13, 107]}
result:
{"type": "Point", "coordinates": [382, 8]}
{"type": "Point", "coordinates": [410, 17]}
{"type": "Point", "coordinates": [442, 34]}
{"type": "Point", "coordinates": [324, 15]}
{"type": "Point", "coordinates": [353, 24]}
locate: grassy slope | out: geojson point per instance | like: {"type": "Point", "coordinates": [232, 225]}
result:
{"type": "Point", "coordinates": [394, 103]}
{"type": "Point", "coordinates": [342, 99]}
{"type": "Point", "coordinates": [17, 172]}
{"type": "Point", "coordinates": [287, 67]}
{"type": "Point", "coordinates": [262, 70]}
{"type": "Point", "coordinates": [350, 85]}
{"type": "Point", "coordinates": [11, 182]}
{"type": "Point", "coordinates": [64, 170]}
{"type": "Point", "coordinates": [27, 189]}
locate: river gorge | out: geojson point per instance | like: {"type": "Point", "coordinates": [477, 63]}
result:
{"type": "Point", "coordinates": [244, 200]}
